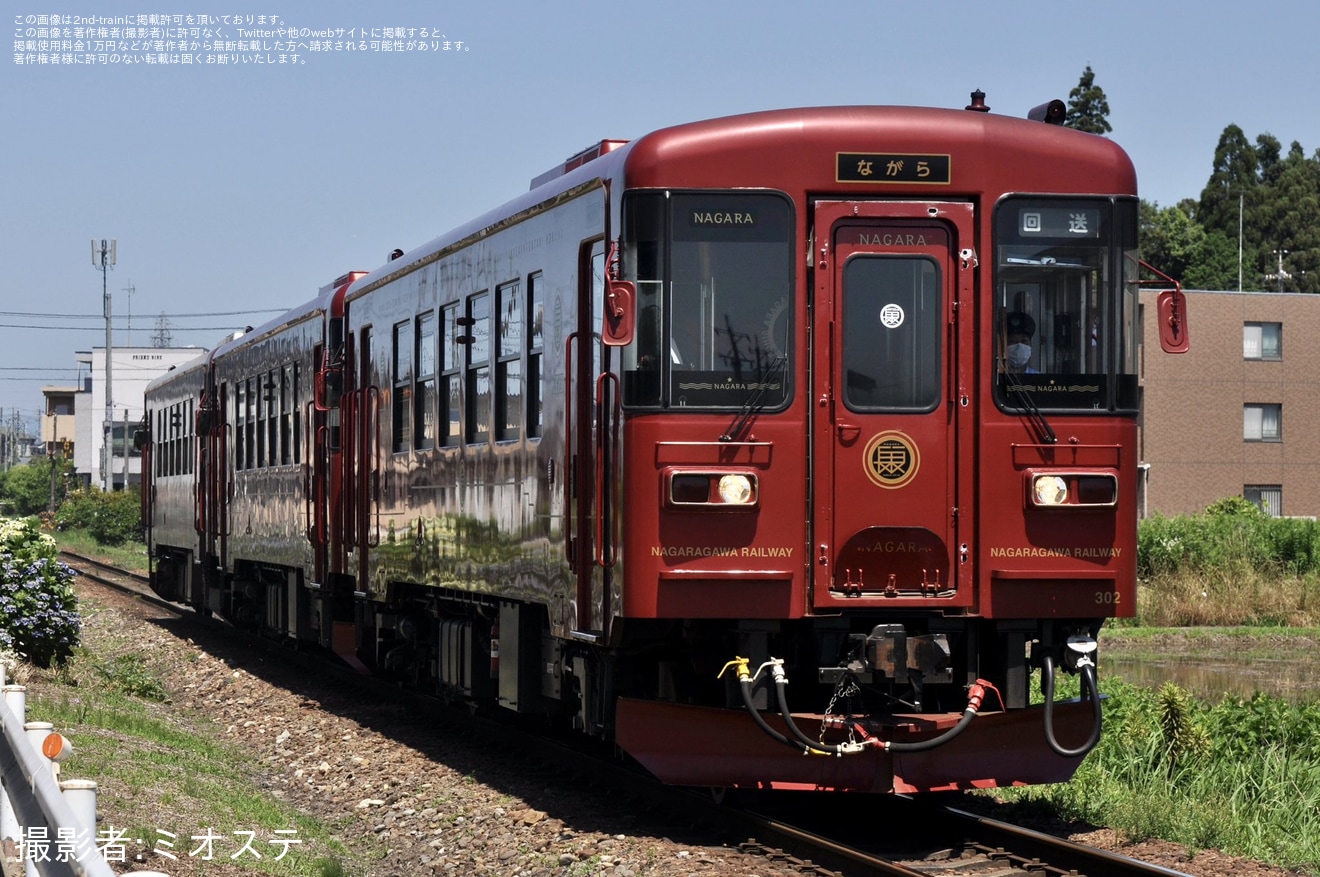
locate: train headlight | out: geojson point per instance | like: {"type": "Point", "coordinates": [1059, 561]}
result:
{"type": "Point", "coordinates": [735, 489]}
{"type": "Point", "coordinates": [1049, 490]}
{"type": "Point", "coordinates": [711, 490]}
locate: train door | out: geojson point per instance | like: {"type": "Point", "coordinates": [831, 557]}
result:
{"type": "Point", "coordinates": [592, 431]}
{"type": "Point", "coordinates": [362, 458]}
{"type": "Point", "coordinates": [212, 486]}
{"type": "Point", "coordinates": [891, 419]}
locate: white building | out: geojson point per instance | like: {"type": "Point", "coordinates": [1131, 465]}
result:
{"type": "Point", "coordinates": [131, 369]}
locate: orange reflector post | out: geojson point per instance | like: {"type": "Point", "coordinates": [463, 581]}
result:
{"type": "Point", "coordinates": [56, 747]}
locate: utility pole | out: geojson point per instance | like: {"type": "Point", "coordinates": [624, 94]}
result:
{"type": "Point", "coordinates": [130, 289]}
{"type": "Point", "coordinates": [1281, 275]}
{"type": "Point", "coordinates": [126, 447]}
{"type": "Point", "coordinates": [50, 454]}
{"type": "Point", "coordinates": [104, 261]}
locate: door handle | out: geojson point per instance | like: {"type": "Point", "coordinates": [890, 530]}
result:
{"type": "Point", "coordinates": [848, 432]}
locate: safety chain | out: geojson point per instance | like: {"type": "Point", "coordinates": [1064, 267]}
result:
{"type": "Point", "coordinates": [846, 688]}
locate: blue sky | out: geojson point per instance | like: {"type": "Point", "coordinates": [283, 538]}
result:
{"type": "Point", "coordinates": [232, 189]}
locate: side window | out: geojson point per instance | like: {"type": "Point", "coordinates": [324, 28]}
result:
{"type": "Point", "coordinates": [478, 368]}
{"type": "Point", "coordinates": [240, 426]}
{"type": "Point", "coordinates": [451, 379]}
{"type": "Point", "coordinates": [508, 365]}
{"type": "Point", "coordinates": [271, 391]}
{"type": "Point", "coordinates": [290, 439]}
{"type": "Point", "coordinates": [248, 392]}
{"type": "Point", "coordinates": [535, 352]}
{"type": "Point", "coordinates": [261, 403]}
{"type": "Point", "coordinates": [364, 364]}
{"type": "Point", "coordinates": [424, 401]}
{"type": "Point", "coordinates": [402, 369]}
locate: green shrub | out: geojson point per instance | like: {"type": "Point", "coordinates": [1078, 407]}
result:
{"type": "Point", "coordinates": [1232, 535]}
{"type": "Point", "coordinates": [38, 610]}
{"type": "Point", "coordinates": [109, 518]}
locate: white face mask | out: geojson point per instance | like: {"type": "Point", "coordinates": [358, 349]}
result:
{"type": "Point", "coordinates": [1018, 354]}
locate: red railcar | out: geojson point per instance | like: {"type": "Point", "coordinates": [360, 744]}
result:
{"type": "Point", "coordinates": [798, 431]}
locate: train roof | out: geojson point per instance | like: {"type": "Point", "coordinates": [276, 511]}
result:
{"type": "Point", "coordinates": [181, 370]}
{"type": "Point", "coordinates": [316, 307]}
{"type": "Point", "coordinates": [737, 150]}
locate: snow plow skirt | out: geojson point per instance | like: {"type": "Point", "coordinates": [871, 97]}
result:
{"type": "Point", "coordinates": [703, 746]}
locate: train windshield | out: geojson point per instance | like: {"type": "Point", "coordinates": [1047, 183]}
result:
{"type": "Point", "coordinates": [714, 277]}
{"type": "Point", "coordinates": [1065, 315]}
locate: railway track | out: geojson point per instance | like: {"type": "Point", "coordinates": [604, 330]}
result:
{"type": "Point", "coordinates": [849, 836]}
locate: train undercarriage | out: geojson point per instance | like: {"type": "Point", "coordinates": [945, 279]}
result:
{"type": "Point", "coordinates": [908, 703]}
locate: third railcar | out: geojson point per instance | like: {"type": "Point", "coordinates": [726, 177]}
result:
{"type": "Point", "coordinates": [798, 431]}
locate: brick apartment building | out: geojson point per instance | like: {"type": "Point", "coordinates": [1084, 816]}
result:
{"type": "Point", "coordinates": [1239, 413]}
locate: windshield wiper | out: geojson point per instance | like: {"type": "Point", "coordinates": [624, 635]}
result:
{"type": "Point", "coordinates": [1018, 389]}
{"type": "Point", "coordinates": [753, 403]}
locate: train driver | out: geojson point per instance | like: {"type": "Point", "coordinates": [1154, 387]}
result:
{"type": "Point", "coordinates": [1019, 329]}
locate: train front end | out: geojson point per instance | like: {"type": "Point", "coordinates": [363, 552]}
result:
{"type": "Point", "coordinates": [879, 447]}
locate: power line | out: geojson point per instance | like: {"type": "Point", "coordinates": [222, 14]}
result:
{"type": "Point", "coordinates": [228, 328]}
{"type": "Point", "coordinates": [171, 316]}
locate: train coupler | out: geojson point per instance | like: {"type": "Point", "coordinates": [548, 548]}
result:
{"type": "Point", "coordinates": [1080, 652]}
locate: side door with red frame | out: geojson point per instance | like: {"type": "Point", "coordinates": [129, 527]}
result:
{"type": "Point", "coordinates": [892, 426]}
{"type": "Point", "coordinates": [591, 436]}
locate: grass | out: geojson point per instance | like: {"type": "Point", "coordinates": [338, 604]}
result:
{"type": "Point", "coordinates": [130, 556]}
{"type": "Point", "coordinates": [165, 780]}
{"type": "Point", "coordinates": [1241, 776]}
{"type": "Point", "coordinates": [1251, 596]}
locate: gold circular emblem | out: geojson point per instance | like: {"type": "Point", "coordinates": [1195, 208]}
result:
{"type": "Point", "coordinates": [891, 459]}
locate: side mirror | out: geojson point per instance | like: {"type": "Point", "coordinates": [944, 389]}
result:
{"type": "Point", "coordinates": [620, 317]}
{"type": "Point", "coordinates": [140, 439]}
{"type": "Point", "coordinates": [1172, 316]}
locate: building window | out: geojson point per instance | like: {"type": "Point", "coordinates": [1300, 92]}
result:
{"type": "Point", "coordinates": [1262, 341]}
{"type": "Point", "coordinates": [402, 381]}
{"type": "Point", "coordinates": [478, 368]}
{"type": "Point", "coordinates": [1267, 497]}
{"type": "Point", "coordinates": [1262, 423]}
{"type": "Point", "coordinates": [508, 366]}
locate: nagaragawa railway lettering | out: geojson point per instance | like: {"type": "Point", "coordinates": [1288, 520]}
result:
{"type": "Point", "coordinates": [1056, 551]}
{"type": "Point", "coordinates": [718, 551]}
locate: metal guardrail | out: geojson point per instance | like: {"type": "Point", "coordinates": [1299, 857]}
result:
{"type": "Point", "coordinates": [38, 803]}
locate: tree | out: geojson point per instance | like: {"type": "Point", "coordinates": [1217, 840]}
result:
{"type": "Point", "coordinates": [1288, 218]}
{"type": "Point", "coordinates": [1235, 175]}
{"type": "Point", "coordinates": [1088, 109]}
{"type": "Point", "coordinates": [28, 487]}
{"type": "Point", "coordinates": [1170, 239]}
{"type": "Point", "coordinates": [1214, 265]}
